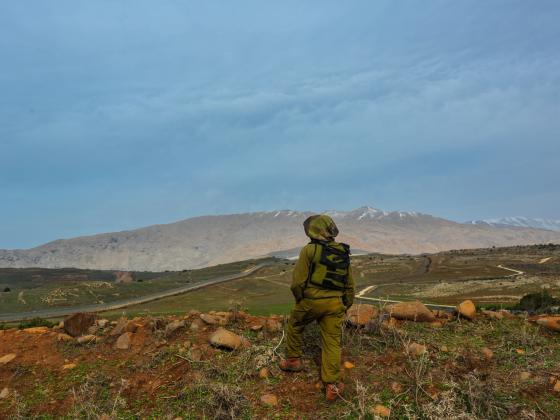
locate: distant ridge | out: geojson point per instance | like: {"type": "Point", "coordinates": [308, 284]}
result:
{"type": "Point", "coordinates": [519, 221]}
{"type": "Point", "coordinates": [210, 240]}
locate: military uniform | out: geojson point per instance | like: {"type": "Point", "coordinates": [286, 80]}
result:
{"type": "Point", "coordinates": [323, 287]}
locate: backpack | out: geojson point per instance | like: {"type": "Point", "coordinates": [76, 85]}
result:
{"type": "Point", "coordinates": [330, 270]}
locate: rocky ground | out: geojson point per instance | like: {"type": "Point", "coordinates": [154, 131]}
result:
{"type": "Point", "coordinates": [403, 361]}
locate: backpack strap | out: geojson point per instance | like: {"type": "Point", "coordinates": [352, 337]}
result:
{"type": "Point", "coordinates": [312, 265]}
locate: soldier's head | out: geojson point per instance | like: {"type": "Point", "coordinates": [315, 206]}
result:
{"type": "Point", "coordinates": [320, 227]}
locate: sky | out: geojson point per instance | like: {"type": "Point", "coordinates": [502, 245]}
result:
{"type": "Point", "coordinates": [122, 114]}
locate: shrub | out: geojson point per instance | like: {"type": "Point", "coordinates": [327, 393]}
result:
{"type": "Point", "coordinates": [36, 322]}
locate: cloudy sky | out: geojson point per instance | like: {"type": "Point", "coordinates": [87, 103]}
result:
{"type": "Point", "coordinates": [120, 114]}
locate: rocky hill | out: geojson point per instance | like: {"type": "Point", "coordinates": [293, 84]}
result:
{"type": "Point", "coordinates": [519, 221]}
{"type": "Point", "coordinates": [223, 365]}
{"type": "Point", "coordinates": [210, 240]}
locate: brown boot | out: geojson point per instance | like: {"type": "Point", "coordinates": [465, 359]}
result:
{"type": "Point", "coordinates": [291, 364]}
{"type": "Point", "coordinates": [333, 391]}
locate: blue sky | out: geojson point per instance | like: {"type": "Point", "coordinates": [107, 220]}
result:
{"type": "Point", "coordinates": [121, 114]}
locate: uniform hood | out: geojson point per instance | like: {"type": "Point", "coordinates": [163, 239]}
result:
{"type": "Point", "coordinates": [320, 227]}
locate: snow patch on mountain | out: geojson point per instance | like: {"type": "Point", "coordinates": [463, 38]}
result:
{"type": "Point", "coordinates": [520, 221]}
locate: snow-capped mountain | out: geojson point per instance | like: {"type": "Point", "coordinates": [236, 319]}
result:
{"type": "Point", "coordinates": [210, 240]}
{"type": "Point", "coordinates": [524, 222]}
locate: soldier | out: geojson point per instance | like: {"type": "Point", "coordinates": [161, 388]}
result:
{"type": "Point", "coordinates": [323, 287]}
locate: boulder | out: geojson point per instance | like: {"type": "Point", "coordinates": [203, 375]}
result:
{"type": "Point", "coordinates": [174, 326]}
{"type": "Point", "coordinates": [361, 314]}
{"type": "Point", "coordinates": [467, 309]}
{"type": "Point", "coordinates": [550, 322]}
{"type": "Point", "coordinates": [124, 341]}
{"type": "Point", "coordinates": [225, 339]}
{"type": "Point", "coordinates": [412, 311]}
{"type": "Point", "coordinates": [270, 400]}
{"type": "Point", "coordinates": [37, 330]}
{"type": "Point", "coordinates": [78, 323]}
{"type": "Point", "coordinates": [85, 339]}
{"type": "Point", "coordinates": [197, 324]}
{"type": "Point", "coordinates": [7, 358]}
{"type": "Point", "coordinates": [209, 319]}
{"type": "Point", "coordinates": [64, 337]}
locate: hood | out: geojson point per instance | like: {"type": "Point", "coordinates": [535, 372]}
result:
{"type": "Point", "coordinates": [320, 227]}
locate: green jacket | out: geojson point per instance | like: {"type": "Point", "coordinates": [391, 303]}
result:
{"type": "Point", "coordinates": [301, 272]}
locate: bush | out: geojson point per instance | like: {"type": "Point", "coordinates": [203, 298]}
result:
{"type": "Point", "coordinates": [36, 322]}
{"type": "Point", "coordinates": [537, 302]}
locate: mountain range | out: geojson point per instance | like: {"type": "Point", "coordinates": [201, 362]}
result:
{"type": "Point", "coordinates": [520, 221]}
{"type": "Point", "coordinates": [210, 240]}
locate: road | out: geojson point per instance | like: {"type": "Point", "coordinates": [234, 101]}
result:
{"type": "Point", "coordinates": [61, 312]}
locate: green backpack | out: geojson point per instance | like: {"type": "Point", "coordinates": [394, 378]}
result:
{"type": "Point", "coordinates": [330, 269]}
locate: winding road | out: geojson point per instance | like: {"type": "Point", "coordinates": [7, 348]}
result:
{"type": "Point", "coordinates": [61, 312]}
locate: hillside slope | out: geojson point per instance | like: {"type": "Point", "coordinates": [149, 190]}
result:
{"type": "Point", "coordinates": [210, 240]}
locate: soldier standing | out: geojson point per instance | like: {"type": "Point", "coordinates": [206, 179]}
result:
{"type": "Point", "coordinates": [323, 287]}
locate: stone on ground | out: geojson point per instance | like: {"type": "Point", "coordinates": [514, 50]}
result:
{"type": "Point", "coordinates": [120, 327]}
{"type": "Point", "coordinates": [225, 339]}
{"type": "Point", "coordinates": [69, 366]}
{"type": "Point", "coordinates": [416, 349]}
{"type": "Point", "coordinates": [197, 324]}
{"type": "Point", "coordinates": [88, 338]}
{"type": "Point", "coordinates": [174, 326]}
{"type": "Point", "coordinates": [487, 353]}
{"type": "Point", "coordinates": [381, 411]}
{"type": "Point", "coordinates": [7, 358]}
{"type": "Point", "coordinates": [264, 373]}
{"type": "Point", "coordinates": [64, 337]}
{"type": "Point", "coordinates": [467, 309]}
{"type": "Point", "coordinates": [272, 325]}
{"type": "Point", "coordinates": [37, 330]}
{"type": "Point", "coordinates": [209, 319]}
{"type": "Point", "coordinates": [348, 365]}
{"type": "Point", "coordinates": [556, 387]}
{"type": "Point", "coordinates": [550, 322]}
{"type": "Point", "coordinates": [78, 323]}
{"type": "Point", "coordinates": [360, 315]}
{"type": "Point", "coordinates": [412, 311]}
{"type": "Point", "coordinates": [269, 400]}
{"type": "Point", "coordinates": [493, 314]}
{"type": "Point", "coordinates": [124, 341]}
{"type": "Point", "coordinates": [524, 376]}
{"type": "Point", "coordinates": [5, 393]}
{"type": "Point", "coordinates": [102, 323]}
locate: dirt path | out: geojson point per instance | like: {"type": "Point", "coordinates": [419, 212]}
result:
{"type": "Point", "coordinates": [517, 272]}
{"type": "Point", "coordinates": [55, 313]}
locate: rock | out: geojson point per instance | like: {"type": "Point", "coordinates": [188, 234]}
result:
{"type": "Point", "coordinates": [520, 351]}
{"type": "Point", "coordinates": [523, 376]}
{"type": "Point", "coordinates": [194, 312]}
{"type": "Point", "coordinates": [416, 349]}
{"type": "Point", "coordinates": [85, 339]}
{"type": "Point", "coordinates": [120, 327]}
{"type": "Point", "coordinates": [396, 387]}
{"type": "Point", "coordinates": [124, 341]}
{"type": "Point", "coordinates": [264, 373]}
{"type": "Point", "coordinates": [69, 366]}
{"type": "Point", "coordinates": [556, 387]}
{"type": "Point", "coordinates": [196, 354]}
{"type": "Point", "coordinates": [174, 326]}
{"type": "Point", "coordinates": [436, 324]}
{"type": "Point", "coordinates": [37, 330]}
{"type": "Point", "coordinates": [64, 337]}
{"type": "Point", "coordinates": [412, 311]}
{"type": "Point", "coordinates": [493, 314]}
{"type": "Point", "coordinates": [102, 323]}
{"type": "Point", "coordinates": [132, 326]}
{"type": "Point", "coordinates": [270, 400]}
{"type": "Point", "coordinates": [197, 324]}
{"type": "Point", "coordinates": [7, 358]}
{"type": "Point", "coordinates": [487, 353]}
{"type": "Point", "coordinates": [93, 329]}
{"type": "Point", "coordinates": [360, 315]}
{"type": "Point", "coordinates": [225, 339]}
{"type": "Point", "coordinates": [245, 343]}
{"type": "Point", "coordinates": [256, 327]}
{"type": "Point", "coordinates": [5, 393]}
{"type": "Point", "coordinates": [209, 319]}
{"type": "Point", "coordinates": [444, 348]}
{"type": "Point", "coordinates": [381, 411]}
{"type": "Point", "coordinates": [467, 309]}
{"type": "Point", "coordinates": [273, 325]}
{"type": "Point", "coordinates": [390, 323]}
{"type": "Point", "coordinates": [550, 322]}
{"type": "Point", "coordinates": [348, 365]}
{"type": "Point", "coordinates": [78, 323]}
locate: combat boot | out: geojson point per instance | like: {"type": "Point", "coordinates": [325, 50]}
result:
{"type": "Point", "coordinates": [291, 364]}
{"type": "Point", "coordinates": [333, 391]}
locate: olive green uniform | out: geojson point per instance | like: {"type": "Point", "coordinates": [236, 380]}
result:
{"type": "Point", "coordinates": [326, 306]}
